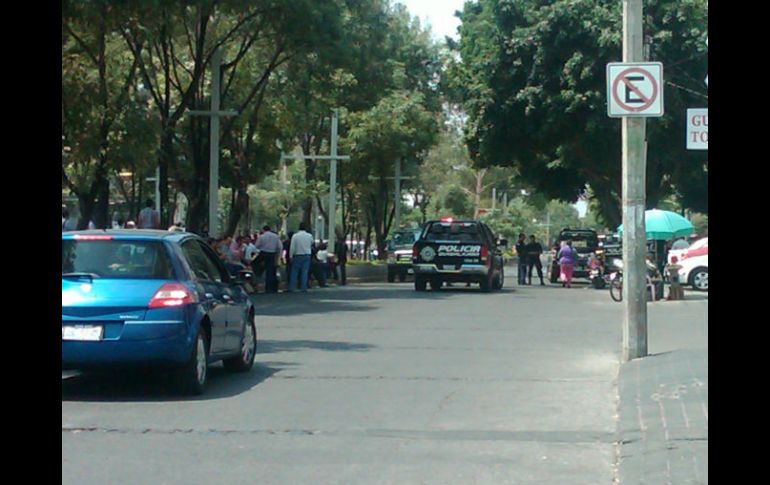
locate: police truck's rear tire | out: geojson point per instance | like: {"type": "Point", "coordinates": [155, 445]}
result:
{"type": "Point", "coordinates": [391, 277]}
{"type": "Point", "coordinates": [435, 284]}
{"type": "Point", "coordinates": [420, 283]}
{"type": "Point", "coordinates": [487, 283]}
{"type": "Point", "coordinates": [499, 280]}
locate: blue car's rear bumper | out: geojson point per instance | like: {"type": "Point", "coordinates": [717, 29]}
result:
{"type": "Point", "coordinates": [157, 343]}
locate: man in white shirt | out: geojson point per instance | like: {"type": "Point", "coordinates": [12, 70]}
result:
{"type": "Point", "coordinates": [149, 218]}
{"type": "Point", "coordinates": [251, 251]}
{"type": "Point", "coordinates": [299, 252]}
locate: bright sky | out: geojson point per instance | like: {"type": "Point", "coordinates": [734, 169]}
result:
{"type": "Point", "coordinates": [438, 13]}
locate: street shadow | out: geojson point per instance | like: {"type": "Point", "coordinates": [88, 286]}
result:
{"type": "Point", "coordinates": [275, 346]}
{"type": "Point", "coordinates": [158, 386]}
{"type": "Point", "coordinates": [337, 299]}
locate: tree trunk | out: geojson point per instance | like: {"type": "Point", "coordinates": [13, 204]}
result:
{"type": "Point", "coordinates": [239, 207]}
{"type": "Point", "coordinates": [609, 208]}
{"type": "Point", "coordinates": [86, 207]}
{"type": "Point", "coordinates": [165, 161]}
{"type": "Point", "coordinates": [101, 216]}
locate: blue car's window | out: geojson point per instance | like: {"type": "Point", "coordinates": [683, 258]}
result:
{"type": "Point", "coordinates": [203, 267]}
{"type": "Point", "coordinates": [116, 259]}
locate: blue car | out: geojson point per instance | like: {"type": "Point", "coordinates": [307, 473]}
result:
{"type": "Point", "coordinates": [141, 298]}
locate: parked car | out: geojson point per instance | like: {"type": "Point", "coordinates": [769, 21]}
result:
{"type": "Point", "coordinates": [694, 271]}
{"type": "Point", "coordinates": [698, 248]}
{"type": "Point", "coordinates": [400, 253]}
{"type": "Point", "coordinates": [585, 242]}
{"type": "Point", "coordinates": [141, 298]}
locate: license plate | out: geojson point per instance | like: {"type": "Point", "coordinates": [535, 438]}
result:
{"type": "Point", "coordinates": [82, 332]}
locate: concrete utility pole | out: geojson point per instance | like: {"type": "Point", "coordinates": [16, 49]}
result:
{"type": "Point", "coordinates": [215, 114]}
{"type": "Point", "coordinates": [634, 238]}
{"type": "Point", "coordinates": [494, 199]}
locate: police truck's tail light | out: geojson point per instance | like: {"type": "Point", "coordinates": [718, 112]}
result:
{"type": "Point", "coordinates": [414, 251]}
{"type": "Point", "coordinates": [172, 295]}
{"type": "Point", "coordinates": [484, 253]}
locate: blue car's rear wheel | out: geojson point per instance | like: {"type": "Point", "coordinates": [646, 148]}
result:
{"type": "Point", "coordinates": [195, 372]}
{"type": "Point", "coordinates": [244, 361]}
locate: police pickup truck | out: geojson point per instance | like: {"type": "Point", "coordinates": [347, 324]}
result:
{"type": "Point", "coordinates": [457, 251]}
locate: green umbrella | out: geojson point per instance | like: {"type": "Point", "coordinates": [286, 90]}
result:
{"type": "Point", "coordinates": [664, 225]}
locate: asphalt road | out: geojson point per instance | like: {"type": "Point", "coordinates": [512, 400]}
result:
{"type": "Point", "coordinates": [375, 384]}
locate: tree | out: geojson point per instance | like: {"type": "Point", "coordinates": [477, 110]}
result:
{"type": "Point", "coordinates": [399, 127]}
{"type": "Point", "coordinates": [97, 82]}
{"type": "Point", "coordinates": [173, 43]}
{"type": "Point", "coordinates": [532, 80]}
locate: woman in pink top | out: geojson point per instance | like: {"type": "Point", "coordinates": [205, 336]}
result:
{"type": "Point", "coordinates": [566, 263]}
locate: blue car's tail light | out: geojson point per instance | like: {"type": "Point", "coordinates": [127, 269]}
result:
{"type": "Point", "coordinates": [92, 237]}
{"type": "Point", "coordinates": [171, 295]}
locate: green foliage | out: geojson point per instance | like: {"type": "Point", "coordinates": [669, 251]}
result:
{"type": "Point", "coordinates": [701, 224]}
{"type": "Point", "coordinates": [532, 79]}
{"type": "Point", "coordinates": [455, 203]}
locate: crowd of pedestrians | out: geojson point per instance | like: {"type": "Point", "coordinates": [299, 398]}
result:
{"type": "Point", "coordinates": [299, 258]}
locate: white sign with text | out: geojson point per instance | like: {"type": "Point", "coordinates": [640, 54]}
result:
{"type": "Point", "coordinates": [698, 129]}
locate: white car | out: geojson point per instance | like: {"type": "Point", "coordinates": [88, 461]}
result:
{"type": "Point", "coordinates": [694, 271]}
{"type": "Point", "coordinates": [697, 248]}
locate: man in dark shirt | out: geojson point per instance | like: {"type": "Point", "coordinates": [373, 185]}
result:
{"type": "Point", "coordinates": [287, 257]}
{"type": "Point", "coordinates": [534, 250]}
{"type": "Point", "coordinates": [341, 256]}
{"type": "Point", "coordinates": [270, 247]}
{"type": "Point", "coordinates": [521, 252]}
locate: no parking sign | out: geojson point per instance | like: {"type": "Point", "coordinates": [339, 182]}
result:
{"type": "Point", "coordinates": [634, 89]}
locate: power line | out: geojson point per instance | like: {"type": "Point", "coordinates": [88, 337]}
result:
{"type": "Point", "coordinates": [687, 89]}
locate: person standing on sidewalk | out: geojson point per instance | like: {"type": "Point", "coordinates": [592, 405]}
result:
{"type": "Point", "coordinates": [534, 250]}
{"type": "Point", "coordinates": [341, 254]}
{"type": "Point", "coordinates": [566, 263]}
{"type": "Point", "coordinates": [269, 247]}
{"type": "Point", "coordinates": [299, 252]}
{"type": "Point", "coordinates": [287, 258]}
{"type": "Point", "coordinates": [149, 218]}
{"type": "Point", "coordinates": [521, 252]}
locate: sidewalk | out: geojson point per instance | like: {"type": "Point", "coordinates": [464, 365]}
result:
{"type": "Point", "coordinates": [355, 274]}
{"type": "Point", "coordinates": [663, 407]}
